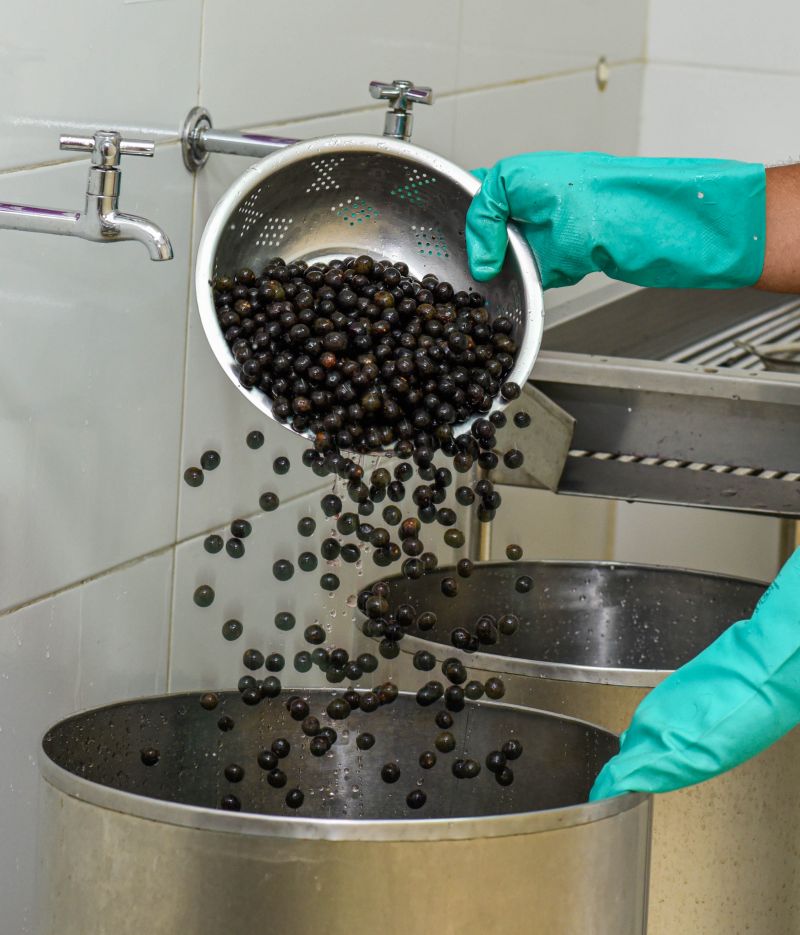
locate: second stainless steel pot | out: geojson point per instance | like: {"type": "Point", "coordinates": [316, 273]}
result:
{"type": "Point", "coordinates": [594, 639]}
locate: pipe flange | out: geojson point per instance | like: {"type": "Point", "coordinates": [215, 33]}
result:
{"type": "Point", "coordinates": [195, 155]}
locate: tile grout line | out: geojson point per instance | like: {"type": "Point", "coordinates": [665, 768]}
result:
{"type": "Point", "coordinates": [145, 556]}
{"type": "Point", "coordinates": [354, 111]}
{"type": "Point", "coordinates": [184, 388]}
{"type": "Point", "coordinates": [459, 36]}
{"type": "Point", "coordinates": [736, 69]}
{"type": "Point", "coordinates": [537, 79]}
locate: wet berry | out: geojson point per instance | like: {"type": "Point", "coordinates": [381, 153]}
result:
{"type": "Point", "coordinates": [294, 798]}
{"type": "Point", "coordinates": [267, 760]}
{"type": "Point", "coordinates": [232, 630]}
{"type": "Point", "coordinates": [416, 799]}
{"type": "Point", "coordinates": [445, 742]}
{"type": "Point", "coordinates": [444, 719]}
{"type": "Point", "coordinates": [269, 502]}
{"type": "Point", "coordinates": [270, 687]}
{"type": "Point", "coordinates": [505, 777]}
{"type": "Point", "coordinates": [466, 769]}
{"type": "Point", "coordinates": [150, 756]}
{"type": "Point", "coordinates": [306, 526]}
{"type": "Point", "coordinates": [234, 772]}
{"type": "Point", "coordinates": [495, 688]}
{"type": "Point", "coordinates": [193, 476]}
{"type": "Point", "coordinates": [252, 659]}
{"type": "Point", "coordinates": [427, 760]}
{"type": "Point", "coordinates": [210, 460]}
{"type": "Point", "coordinates": [283, 569]}
{"type": "Point", "coordinates": [365, 741]}
{"type": "Point", "coordinates": [284, 620]}
{"type": "Point", "coordinates": [523, 584]}
{"type": "Point", "coordinates": [390, 772]}
{"type": "Point", "coordinates": [234, 548]}
{"type": "Point", "coordinates": [241, 528]}
{"type": "Point", "coordinates": [204, 596]}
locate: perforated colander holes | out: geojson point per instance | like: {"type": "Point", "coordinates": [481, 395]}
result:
{"type": "Point", "coordinates": [355, 211]}
{"type": "Point", "coordinates": [324, 169]}
{"type": "Point", "coordinates": [273, 232]}
{"type": "Point", "coordinates": [412, 191]}
{"type": "Point", "coordinates": [430, 241]}
{"type": "Point", "coordinates": [249, 214]}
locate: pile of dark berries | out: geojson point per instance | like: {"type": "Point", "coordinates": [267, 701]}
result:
{"type": "Point", "coordinates": [363, 356]}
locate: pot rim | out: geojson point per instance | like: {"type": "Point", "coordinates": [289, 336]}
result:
{"type": "Point", "coordinates": [330, 829]}
{"type": "Point", "coordinates": [562, 671]}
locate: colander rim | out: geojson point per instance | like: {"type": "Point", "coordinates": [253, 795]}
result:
{"type": "Point", "coordinates": [256, 174]}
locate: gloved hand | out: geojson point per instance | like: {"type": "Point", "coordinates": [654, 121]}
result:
{"type": "Point", "coordinates": [692, 223]}
{"type": "Point", "coordinates": [741, 694]}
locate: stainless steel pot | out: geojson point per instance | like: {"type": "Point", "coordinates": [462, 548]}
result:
{"type": "Point", "coordinates": [594, 639]}
{"type": "Point", "coordinates": [128, 848]}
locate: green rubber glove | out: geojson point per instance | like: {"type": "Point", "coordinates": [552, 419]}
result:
{"type": "Point", "coordinates": [691, 223]}
{"type": "Point", "coordinates": [741, 694]}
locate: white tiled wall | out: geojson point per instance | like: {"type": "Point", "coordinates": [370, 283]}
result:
{"type": "Point", "coordinates": [88, 64]}
{"type": "Point", "coordinates": [107, 389]}
{"type": "Point", "coordinates": [721, 80]}
{"type": "Point", "coordinates": [99, 642]}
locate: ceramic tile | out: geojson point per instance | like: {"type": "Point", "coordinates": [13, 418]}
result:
{"type": "Point", "coordinates": [519, 40]}
{"type": "Point", "coordinates": [559, 113]}
{"type": "Point", "coordinates": [715, 113]}
{"type": "Point", "coordinates": [321, 61]}
{"type": "Point", "coordinates": [725, 33]}
{"type": "Point", "coordinates": [101, 642]}
{"type": "Point", "coordinates": [91, 367]}
{"type": "Point", "coordinates": [246, 590]}
{"type": "Point", "coordinates": [552, 527]}
{"type": "Point", "coordinates": [708, 540]}
{"type": "Point", "coordinates": [94, 64]}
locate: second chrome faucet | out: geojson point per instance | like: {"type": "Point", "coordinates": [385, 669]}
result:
{"type": "Point", "coordinates": [100, 220]}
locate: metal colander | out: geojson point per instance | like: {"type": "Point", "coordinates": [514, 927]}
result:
{"type": "Point", "coordinates": [348, 195]}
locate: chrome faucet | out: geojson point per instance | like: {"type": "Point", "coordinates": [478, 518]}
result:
{"type": "Point", "coordinates": [100, 220]}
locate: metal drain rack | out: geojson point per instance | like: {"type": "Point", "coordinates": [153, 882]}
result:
{"type": "Point", "coordinates": [669, 409]}
{"type": "Point", "coordinates": [778, 325]}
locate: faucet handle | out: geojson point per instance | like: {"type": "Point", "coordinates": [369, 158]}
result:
{"type": "Point", "coordinates": [107, 147]}
{"type": "Point", "coordinates": [401, 95]}
{"type": "Point", "coordinates": [401, 92]}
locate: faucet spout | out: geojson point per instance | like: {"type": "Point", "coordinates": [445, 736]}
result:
{"type": "Point", "coordinates": [100, 221]}
{"type": "Point", "coordinates": [119, 226]}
